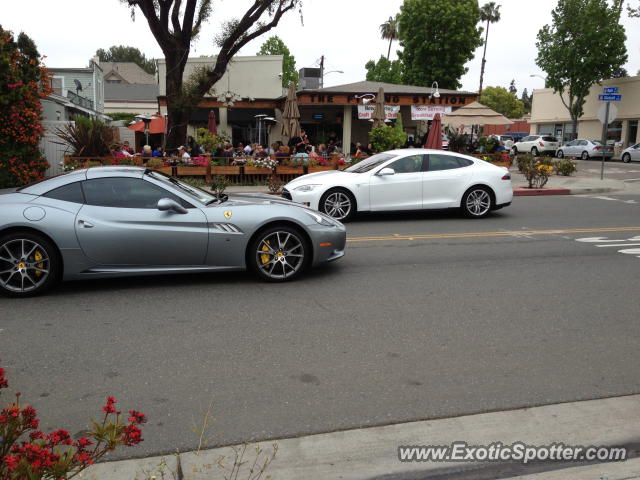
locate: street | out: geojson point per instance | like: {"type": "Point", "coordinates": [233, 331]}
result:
{"type": "Point", "coordinates": [428, 315]}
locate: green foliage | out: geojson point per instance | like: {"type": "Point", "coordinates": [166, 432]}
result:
{"type": "Point", "coordinates": [457, 140]}
{"type": "Point", "coordinates": [565, 167]}
{"type": "Point", "coordinates": [126, 116]}
{"type": "Point", "coordinates": [155, 163]}
{"type": "Point", "coordinates": [488, 143]}
{"type": "Point", "coordinates": [536, 171]}
{"type": "Point", "coordinates": [275, 46]}
{"type": "Point", "coordinates": [220, 184]}
{"type": "Point", "coordinates": [209, 141]}
{"type": "Point", "coordinates": [274, 184]}
{"type": "Point", "coordinates": [389, 31]}
{"type": "Point", "coordinates": [502, 101]}
{"type": "Point", "coordinates": [526, 100]}
{"type": "Point", "coordinates": [384, 71]}
{"type": "Point", "coordinates": [584, 45]}
{"type": "Point", "coordinates": [439, 38]}
{"type": "Point", "coordinates": [387, 138]}
{"type": "Point", "coordinates": [87, 137]}
{"type": "Point", "coordinates": [121, 53]}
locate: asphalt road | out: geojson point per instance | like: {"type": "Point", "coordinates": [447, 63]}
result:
{"type": "Point", "coordinates": [428, 315]}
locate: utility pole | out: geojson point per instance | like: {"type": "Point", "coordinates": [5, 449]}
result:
{"type": "Point", "coordinates": [322, 71]}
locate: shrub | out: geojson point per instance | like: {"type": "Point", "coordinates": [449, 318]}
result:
{"type": "Point", "coordinates": [386, 138]}
{"type": "Point", "coordinates": [87, 138]}
{"type": "Point", "coordinates": [274, 184]}
{"type": "Point", "coordinates": [457, 141]}
{"type": "Point", "coordinates": [155, 163]}
{"type": "Point", "coordinates": [565, 167]}
{"type": "Point", "coordinates": [488, 143]}
{"type": "Point", "coordinates": [209, 141]}
{"type": "Point", "coordinates": [219, 185]}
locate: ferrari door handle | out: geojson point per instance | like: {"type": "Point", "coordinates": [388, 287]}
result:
{"type": "Point", "coordinates": [85, 224]}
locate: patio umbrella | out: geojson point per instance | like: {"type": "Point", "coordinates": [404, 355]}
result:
{"type": "Point", "coordinates": [475, 114]}
{"type": "Point", "coordinates": [156, 125]}
{"type": "Point", "coordinates": [291, 114]}
{"type": "Point", "coordinates": [434, 138]}
{"type": "Point", "coordinates": [378, 115]}
{"type": "Point", "coordinates": [211, 124]}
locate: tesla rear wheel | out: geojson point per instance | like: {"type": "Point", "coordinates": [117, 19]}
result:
{"type": "Point", "coordinates": [29, 264]}
{"type": "Point", "coordinates": [584, 156]}
{"type": "Point", "coordinates": [476, 202]}
{"type": "Point", "coordinates": [560, 154]}
{"type": "Point", "coordinates": [626, 158]}
{"type": "Point", "coordinates": [279, 253]}
{"type": "Point", "coordinates": [339, 204]}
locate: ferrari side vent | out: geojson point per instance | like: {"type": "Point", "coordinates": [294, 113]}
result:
{"type": "Point", "coordinates": [227, 227]}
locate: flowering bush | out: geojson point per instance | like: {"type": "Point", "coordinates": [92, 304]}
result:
{"type": "Point", "coordinates": [536, 171]}
{"type": "Point", "coordinates": [28, 453]}
{"type": "Point", "coordinates": [265, 162]}
{"type": "Point", "coordinates": [23, 82]}
{"type": "Point", "coordinates": [565, 167]}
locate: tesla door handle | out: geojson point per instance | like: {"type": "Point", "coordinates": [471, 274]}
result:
{"type": "Point", "coordinates": [85, 224]}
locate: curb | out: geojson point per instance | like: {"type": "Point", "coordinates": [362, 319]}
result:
{"type": "Point", "coordinates": [531, 192]}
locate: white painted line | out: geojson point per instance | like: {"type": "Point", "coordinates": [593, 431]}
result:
{"type": "Point", "coordinates": [630, 251]}
{"type": "Point", "coordinates": [596, 240]}
{"type": "Point", "coordinates": [620, 245]}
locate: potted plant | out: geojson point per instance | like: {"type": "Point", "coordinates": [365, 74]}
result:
{"type": "Point", "coordinates": [290, 167]}
{"type": "Point", "coordinates": [158, 164]}
{"type": "Point", "coordinates": [260, 166]}
{"type": "Point", "coordinates": [218, 168]}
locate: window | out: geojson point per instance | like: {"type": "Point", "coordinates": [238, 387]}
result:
{"type": "Point", "coordinates": [582, 143]}
{"type": "Point", "coordinates": [549, 139]}
{"type": "Point", "coordinates": [71, 192]}
{"type": "Point", "coordinates": [410, 164]}
{"type": "Point", "coordinates": [464, 162]}
{"type": "Point", "coordinates": [125, 193]}
{"type": "Point", "coordinates": [445, 162]}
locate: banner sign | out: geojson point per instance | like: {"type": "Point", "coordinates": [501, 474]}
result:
{"type": "Point", "coordinates": [427, 112]}
{"type": "Point", "coordinates": [366, 111]}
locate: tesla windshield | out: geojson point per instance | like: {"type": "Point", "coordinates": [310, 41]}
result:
{"type": "Point", "coordinates": [369, 163]}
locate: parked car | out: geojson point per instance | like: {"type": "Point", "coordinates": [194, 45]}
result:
{"type": "Point", "coordinates": [406, 180]}
{"type": "Point", "coordinates": [536, 145]}
{"type": "Point", "coordinates": [584, 149]}
{"type": "Point", "coordinates": [122, 221]}
{"type": "Point", "coordinates": [445, 142]}
{"type": "Point", "coordinates": [631, 153]}
{"type": "Point", "coordinates": [507, 140]}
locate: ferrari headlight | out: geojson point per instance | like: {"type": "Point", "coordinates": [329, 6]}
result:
{"type": "Point", "coordinates": [321, 219]}
{"type": "Point", "coordinates": [306, 188]}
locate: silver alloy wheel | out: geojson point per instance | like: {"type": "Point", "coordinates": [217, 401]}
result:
{"type": "Point", "coordinates": [626, 158]}
{"type": "Point", "coordinates": [338, 205]}
{"type": "Point", "coordinates": [560, 154]}
{"type": "Point", "coordinates": [280, 255]}
{"type": "Point", "coordinates": [478, 202]}
{"type": "Point", "coordinates": [24, 265]}
{"type": "Point", "coordinates": [585, 156]}
{"type": "Point", "coordinates": [534, 151]}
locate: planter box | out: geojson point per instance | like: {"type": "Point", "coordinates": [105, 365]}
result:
{"type": "Point", "coordinates": [189, 171]}
{"type": "Point", "coordinates": [501, 164]}
{"type": "Point", "coordinates": [257, 171]}
{"type": "Point", "coordinates": [290, 170]}
{"type": "Point", "coordinates": [167, 170]}
{"type": "Point", "coordinates": [319, 168]}
{"type": "Point", "coordinates": [225, 170]}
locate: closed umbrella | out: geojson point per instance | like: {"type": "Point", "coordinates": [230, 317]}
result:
{"type": "Point", "coordinates": [291, 114]}
{"type": "Point", "coordinates": [211, 124]}
{"type": "Point", "coordinates": [434, 138]}
{"type": "Point", "coordinates": [378, 115]}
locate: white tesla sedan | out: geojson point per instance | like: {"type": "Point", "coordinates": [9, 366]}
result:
{"type": "Point", "coordinates": [409, 179]}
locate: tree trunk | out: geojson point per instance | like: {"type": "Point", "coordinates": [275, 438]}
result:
{"type": "Point", "coordinates": [179, 114]}
{"type": "Point", "coordinates": [484, 54]}
{"type": "Point", "coordinates": [574, 122]}
{"type": "Point", "coordinates": [389, 51]}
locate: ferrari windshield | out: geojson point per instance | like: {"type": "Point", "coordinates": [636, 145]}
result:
{"type": "Point", "coordinates": [369, 163]}
{"type": "Point", "coordinates": [201, 195]}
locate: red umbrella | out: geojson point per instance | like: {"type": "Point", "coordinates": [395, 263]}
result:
{"type": "Point", "coordinates": [211, 125]}
{"type": "Point", "coordinates": [156, 125]}
{"type": "Point", "coordinates": [434, 138]}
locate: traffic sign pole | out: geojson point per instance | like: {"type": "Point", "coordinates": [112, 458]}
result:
{"type": "Point", "coordinates": [605, 130]}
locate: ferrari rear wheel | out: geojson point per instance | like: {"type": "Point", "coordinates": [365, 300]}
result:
{"type": "Point", "coordinates": [29, 264]}
{"type": "Point", "coordinates": [279, 254]}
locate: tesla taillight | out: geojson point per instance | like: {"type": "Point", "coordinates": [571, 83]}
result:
{"type": "Point", "coordinates": [506, 176]}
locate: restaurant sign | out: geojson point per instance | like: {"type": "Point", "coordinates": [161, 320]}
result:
{"type": "Point", "coordinates": [427, 112]}
{"type": "Point", "coordinates": [366, 111]}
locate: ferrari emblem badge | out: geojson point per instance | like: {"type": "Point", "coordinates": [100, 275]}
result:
{"type": "Point", "coordinates": [227, 214]}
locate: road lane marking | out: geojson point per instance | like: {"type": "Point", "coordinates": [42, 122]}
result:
{"type": "Point", "coordinates": [605, 242]}
{"type": "Point", "coordinates": [435, 236]}
{"type": "Point", "coordinates": [620, 245]}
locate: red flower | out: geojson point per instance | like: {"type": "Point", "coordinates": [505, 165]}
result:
{"type": "Point", "coordinates": [131, 435]}
{"type": "Point", "coordinates": [109, 408]}
{"type": "Point", "coordinates": [3, 381]}
{"type": "Point", "coordinates": [11, 461]}
{"type": "Point", "coordinates": [137, 417]}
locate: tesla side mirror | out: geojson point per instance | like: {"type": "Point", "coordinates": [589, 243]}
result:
{"type": "Point", "coordinates": [168, 205]}
{"type": "Point", "coordinates": [386, 171]}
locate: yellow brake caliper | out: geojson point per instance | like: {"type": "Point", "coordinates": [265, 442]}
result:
{"type": "Point", "coordinates": [265, 257]}
{"type": "Point", "coordinates": [37, 257]}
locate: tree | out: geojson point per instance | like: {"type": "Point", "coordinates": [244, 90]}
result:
{"type": "Point", "coordinates": [490, 13]}
{"type": "Point", "coordinates": [526, 101]}
{"type": "Point", "coordinates": [567, 53]}
{"type": "Point", "coordinates": [502, 101]}
{"type": "Point", "coordinates": [389, 31]}
{"type": "Point", "coordinates": [275, 46]}
{"type": "Point", "coordinates": [439, 38]}
{"type": "Point", "coordinates": [384, 71]}
{"type": "Point", "coordinates": [512, 87]}
{"type": "Point", "coordinates": [121, 53]}
{"type": "Point", "coordinates": [24, 81]}
{"type": "Point", "coordinates": [175, 24]}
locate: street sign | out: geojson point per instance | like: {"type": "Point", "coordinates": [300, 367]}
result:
{"type": "Point", "coordinates": [610, 90]}
{"type": "Point", "coordinates": [610, 98]}
{"type": "Point", "coordinates": [613, 111]}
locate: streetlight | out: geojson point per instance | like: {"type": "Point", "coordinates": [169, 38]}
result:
{"type": "Point", "coordinates": [539, 76]}
{"type": "Point", "coordinates": [366, 98]}
{"type": "Point", "coordinates": [327, 73]}
{"type": "Point", "coordinates": [435, 94]}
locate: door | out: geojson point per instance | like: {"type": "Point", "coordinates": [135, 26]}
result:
{"type": "Point", "coordinates": [121, 225]}
{"type": "Point", "coordinates": [400, 191]}
{"type": "Point", "coordinates": [569, 149]}
{"type": "Point", "coordinates": [444, 180]}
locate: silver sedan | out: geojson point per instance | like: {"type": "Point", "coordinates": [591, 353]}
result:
{"type": "Point", "coordinates": [120, 221]}
{"type": "Point", "coordinates": [631, 153]}
{"type": "Point", "coordinates": [584, 149]}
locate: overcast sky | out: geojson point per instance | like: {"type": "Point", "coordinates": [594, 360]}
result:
{"type": "Point", "coordinates": [346, 32]}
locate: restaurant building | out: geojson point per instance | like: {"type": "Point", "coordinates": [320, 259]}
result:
{"type": "Point", "coordinates": [550, 116]}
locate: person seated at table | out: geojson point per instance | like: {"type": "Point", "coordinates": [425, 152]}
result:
{"type": "Point", "coordinates": [120, 152]}
{"type": "Point", "coordinates": [282, 153]}
{"type": "Point", "coordinates": [158, 152]}
{"type": "Point", "coordinates": [301, 156]}
{"type": "Point", "coordinates": [184, 155]}
{"type": "Point", "coordinates": [227, 150]}
{"type": "Point", "coordinates": [127, 148]}
{"type": "Point", "coordinates": [146, 151]}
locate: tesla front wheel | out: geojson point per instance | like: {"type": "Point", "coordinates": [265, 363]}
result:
{"type": "Point", "coordinates": [279, 253]}
{"type": "Point", "coordinates": [476, 202]}
{"type": "Point", "coordinates": [29, 264]}
{"type": "Point", "coordinates": [338, 204]}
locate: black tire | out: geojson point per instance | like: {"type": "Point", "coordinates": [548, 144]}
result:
{"type": "Point", "coordinates": [329, 204]}
{"type": "Point", "coordinates": [29, 264]}
{"type": "Point", "coordinates": [477, 202]}
{"type": "Point", "coordinates": [514, 150]}
{"type": "Point", "coordinates": [626, 158]}
{"type": "Point", "coordinates": [282, 262]}
{"type": "Point", "coordinates": [534, 151]}
{"type": "Point", "coordinates": [585, 155]}
{"type": "Point", "coordinates": [560, 154]}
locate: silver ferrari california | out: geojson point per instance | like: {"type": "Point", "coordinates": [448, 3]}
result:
{"type": "Point", "coordinates": [119, 221]}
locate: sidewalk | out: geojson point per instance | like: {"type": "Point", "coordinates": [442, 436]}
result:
{"type": "Point", "coordinates": [574, 185]}
{"type": "Point", "coordinates": [372, 453]}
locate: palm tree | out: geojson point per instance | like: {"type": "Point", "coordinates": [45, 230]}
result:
{"type": "Point", "coordinates": [490, 13]}
{"type": "Point", "coordinates": [389, 31]}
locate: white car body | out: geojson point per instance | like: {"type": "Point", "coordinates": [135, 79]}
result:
{"type": "Point", "coordinates": [585, 149]}
{"type": "Point", "coordinates": [631, 153]}
{"type": "Point", "coordinates": [429, 186]}
{"type": "Point", "coordinates": [536, 144]}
